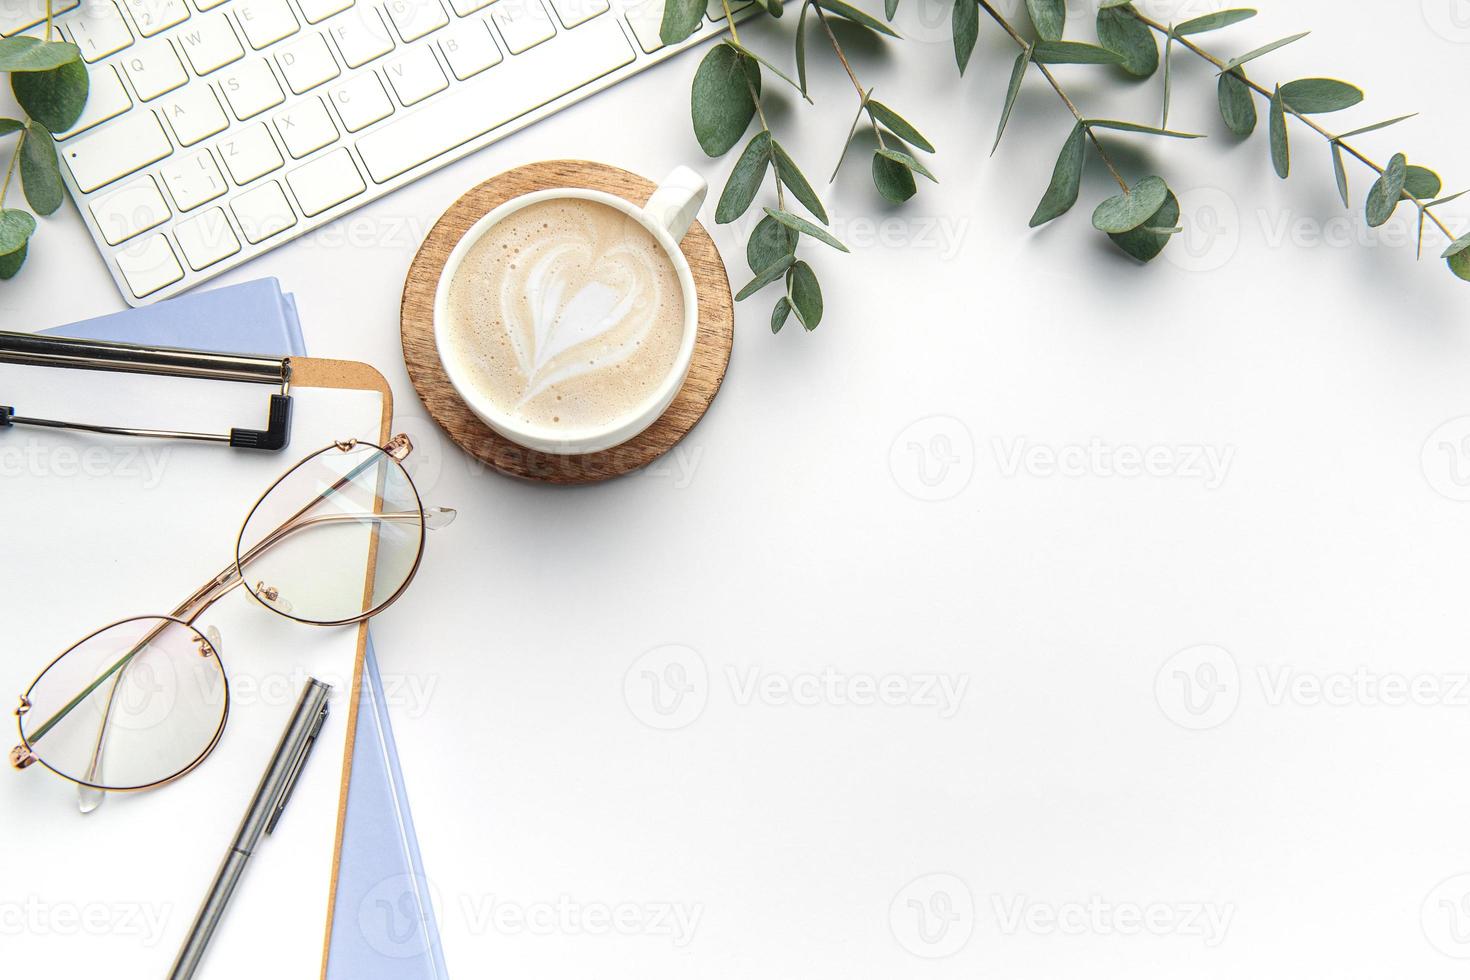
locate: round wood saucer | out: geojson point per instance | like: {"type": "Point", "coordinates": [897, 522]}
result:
{"type": "Point", "coordinates": [711, 350]}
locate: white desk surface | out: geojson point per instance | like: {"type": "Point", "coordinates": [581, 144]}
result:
{"type": "Point", "coordinates": [1086, 800]}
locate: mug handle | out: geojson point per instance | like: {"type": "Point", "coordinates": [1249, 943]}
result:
{"type": "Point", "coordinates": [675, 203]}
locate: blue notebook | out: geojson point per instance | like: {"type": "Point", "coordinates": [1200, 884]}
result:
{"type": "Point", "coordinates": [383, 926]}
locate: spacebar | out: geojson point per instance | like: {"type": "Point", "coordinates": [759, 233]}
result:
{"type": "Point", "coordinates": [492, 98]}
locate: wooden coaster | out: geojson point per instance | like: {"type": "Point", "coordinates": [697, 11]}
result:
{"type": "Point", "coordinates": [711, 347]}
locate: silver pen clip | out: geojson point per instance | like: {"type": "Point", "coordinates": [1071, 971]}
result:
{"type": "Point", "coordinates": [296, 770]}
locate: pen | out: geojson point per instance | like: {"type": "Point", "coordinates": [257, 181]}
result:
{"type": "Point", "coordinates": [265, 809]}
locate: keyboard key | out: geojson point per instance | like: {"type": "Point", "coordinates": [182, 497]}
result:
{"type": "Point", "coordinates": [316, 11]}
{"type": "Point", "coordinates": [210, 43]}
{"type": "Point", "coordinates": [193, 180]}
{"type": "Point", "coordinates": [265, 21]}
{"type": "Point", "coordinates": [523, 23]}
{"type": "Point", "coordinates": [99, 30]}
{"type": "Point", "coordinates": [263, 212]}
{"type": "Point", "coordinates": [156, 16]}
{"type": "Point", "coordinates": [154, 69]}
{"type": "Point", "coordinates": [645, 17]}
{"type": "Point", "coordinates": [360, 35]}
{"type": "Point", "coordinates": [307, 63]}
{"type": "Point", "coordinates": [416, 18]}
{"type": "Point", "coordinates": [106, 99]}
{"type": "Point", "coordinates": [121, 147]}
{"type": "Point", "coordinates": [574, 12]}
{"type": "Point", "coordinates": [325, 182]}
{"type": "Point", "coordinates": [463, 8]}
{"type": "Point", "coordinates": [148, 265]}
{"type": "Point", "coordinates": [130, 210]}
{"type": "Point", "coordinates": [195, 114]}
{"type": "Point", "coordinates": [206, 238]}
{"type": "Point", "coordinates": [715, 10]}
{"type": "Point", "coordinates": [250, 153]}
{"type": "Point", "coordinates": [251, 88]}
{"type": "Point", "coordinates": [416, 75]}
{"type": "Point", "coordinates": [470, 48]}
{"type": "Point", "coordinates": [494, 98]}
{"type": "Point", "coordinates": [204, 5]}
{"type": "Point", "coordinates": [18, 15]}
{"type": "Point", "coordinates": [361, 102]}
{"type": "Point", "coordinates": [305, 127]}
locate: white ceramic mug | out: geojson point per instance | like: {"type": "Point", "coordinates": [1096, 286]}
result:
{"type": "Point", "coordinates": [668, 215]}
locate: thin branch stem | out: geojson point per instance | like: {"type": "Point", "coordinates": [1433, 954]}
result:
{"type": "Point", "coordinates": [1268, 95]}
{"type": "Point", "coordinates": [760, 111]}
{"type": "Point", "coordinates": [842, 57]}
{"type": "Point", "coordinates": [1046, 73]}
{"type": "Point", "coordinates": [10, 170]}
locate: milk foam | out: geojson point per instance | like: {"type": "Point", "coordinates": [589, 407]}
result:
{"type": "Point", "coordinates": [568, 314]}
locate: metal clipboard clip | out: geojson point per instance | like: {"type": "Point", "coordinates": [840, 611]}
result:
{"type": "Point", "coordinates": [102, 355]}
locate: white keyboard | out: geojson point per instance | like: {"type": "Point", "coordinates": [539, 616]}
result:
{"type": "Point", "coordinates": [219, 129]}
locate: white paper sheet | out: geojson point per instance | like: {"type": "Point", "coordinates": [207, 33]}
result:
{"type": "Point", "coordinates": [94, 529]}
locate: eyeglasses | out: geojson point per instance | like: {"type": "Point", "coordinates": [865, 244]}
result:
{"type": "Point", "coordinates": [334, 541]}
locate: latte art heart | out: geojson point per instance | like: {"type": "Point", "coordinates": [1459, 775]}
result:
{"type": "Point", "coordinates": [568, 312]}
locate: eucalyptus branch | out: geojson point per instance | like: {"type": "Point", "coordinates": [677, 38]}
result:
{"type": "Point", "coordinates": [1269, 94]}
{"type": "Point", "coordinates": [10, 170]}
{"type": "Point", "coordinates": [847, 66]}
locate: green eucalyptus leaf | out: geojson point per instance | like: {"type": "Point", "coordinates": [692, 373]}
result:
{"type": "Point", "coordinates": [779, 314]}
{"type": "Point", "coordinates": [849, 12]}
{"type": "Point", "coordinates": [772, 68]}
{"type": "Point", "coordinates": [681, 19]}
{"type": "Point", "coordinates": [54, 98]}
{"type": "Point", "coordinates": [721, 104]}
{"type": "Point", "coordinates": [805, 294]}
{"type": "Point", "coordinates": [11, 262]}
{"type": "Point", "coordinates": [900, 126]}
{"type": "Point", "coordinates": [890, 7]}
{"type": "Point", "coordinates": [1213, 22]}
{"type": "Point", "coordinates": [1237, 104]}
{"type": "Point", "coordinates": [894, 180]}
{"type": "Point", "coordinates": [1446, 200]}
{"type": "Point", "coordinates": [1168, 80]}
{"type": "Point", "coordinates": [1457, 247]}
{"type": "Point", "coordinates": [745, 179]}
{"type": "Point", "coordinates": [1066, 179]}
{"type": "Point", "coordinates": [1339, 172]}
{"type": "Point", "coordinates": [801, 49]}
{"type": "Point", "coordinates": [1148, 239]}
{"type": "Point", "coordinates": [40, 174]}
{"type": "Point", "coordinates": [1313, 95]}
{"type": "Point", "coordinates": [1073, 53]}
{"type": "Point", "coordinates": [1049, 17]}
{"type": "Point", "coordinates": [33, 54]}
{"type": "Point", "coordinates": [1460, 265]}
{"type": "Point", "coordinates": [796, 182]}
{"type": "Point", "coordinates": [1421, 182]}
{"type": "Point", "coordinates": [1128, 127]}
{"type": "Point", "coordinates": [16, 228]}
{"type": "Point", "coordinates": [8, 126]}
{"type": "Point", "coordinates": [908, 160]}
{"type": "Point", "coordinates": [1130, 209]}
{"type": "Point", "coordinates": [765, 277]}
{"type": "Point", "coordinates": [1377, 126]}
{"type": "Point", "coordinates": [1249, 56]}
{"type": "Point", "coordinates": [1013, 88]}
{"type": "Point", "coordinates": [965, 25]}
{"type": "Point", "coordinates": [799, 224]}
{"type": "Point", "coordinates": [768, 242]}
{"type": "Point", "coordinates": [1280, 147]}
{"type": "Point", "coordinates": [1387, 191]}
{"type": "Point", "coordinates": [1125, 34]}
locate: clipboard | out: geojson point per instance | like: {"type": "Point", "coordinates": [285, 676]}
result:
{"type": "Point", "coordinates": [299, 374]}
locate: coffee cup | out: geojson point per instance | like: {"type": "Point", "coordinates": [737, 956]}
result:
{"type": "Point", "coordinates": [566, 318]}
